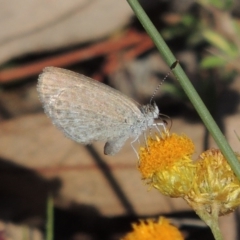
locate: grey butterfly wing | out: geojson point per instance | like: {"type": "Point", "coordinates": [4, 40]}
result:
{"type": "Point", "coordinates": [86, 110]}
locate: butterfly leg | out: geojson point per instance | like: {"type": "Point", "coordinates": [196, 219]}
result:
{"type": "Point", "coordinates": [137, 138]}
{"type": "Point", "coordinates": [160, 124]}
{"type": "Point", "coordinates": [145, 139]}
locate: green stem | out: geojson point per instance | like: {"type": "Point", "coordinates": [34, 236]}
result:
{"type": "Point", "coordinates": [50, 219]}
{"type": "Point", "coordinates": [216, 232]}
{"type": "Point", "coordinates": [211, 220]}
{"type": "Point", "coordinates": [187, 86]}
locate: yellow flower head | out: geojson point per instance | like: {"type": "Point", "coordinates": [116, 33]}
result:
{"type": "Point", "coordinates": [150, 229]}
{"type": "Point", "coordinates": [216, 189]}
{"type": "Point", "coordinates": [166, 163]}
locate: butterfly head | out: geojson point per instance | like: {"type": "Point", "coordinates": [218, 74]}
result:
{"type": "Point", "coordinates": [150, 110]}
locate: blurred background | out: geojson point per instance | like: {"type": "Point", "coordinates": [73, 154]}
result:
{"type": "Point", "coordinates": [97, 196]}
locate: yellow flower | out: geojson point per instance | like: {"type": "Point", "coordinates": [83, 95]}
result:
{"type": "Point", "coordinates": [166, 163]}
{"type": "Point", "coordinates": [216, 189]}
{"type": "Point", "coordinates": [150, 229]}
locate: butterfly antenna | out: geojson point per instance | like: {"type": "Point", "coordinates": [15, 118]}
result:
{"type": "Point", "coordinates": [167, 75]}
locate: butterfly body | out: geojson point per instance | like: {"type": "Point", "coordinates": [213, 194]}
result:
{"type": "Point", "coordinates": [86, 110]}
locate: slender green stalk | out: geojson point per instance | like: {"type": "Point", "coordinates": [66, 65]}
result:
{"type": "Point", "coordinates": [187, 86]}
{"type": "Point", "coordinates": [212, 221]}
{"type": "Point", "coordinates": [50, 219]}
